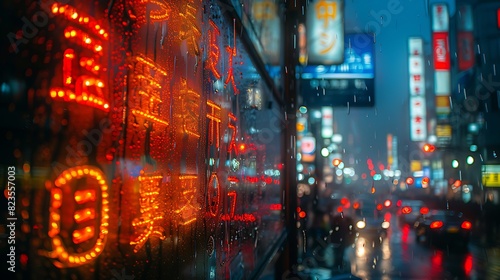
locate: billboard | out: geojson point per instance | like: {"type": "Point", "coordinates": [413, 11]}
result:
{"type": "Point", "coordinates": [441, 55]}
{"type": "Point", "coordinates": [348, 84]}
{"type": "Point", "coordinates": [325, 32]}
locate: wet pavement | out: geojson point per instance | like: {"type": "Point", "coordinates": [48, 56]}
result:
{"type": "Point", "coordinates": [399, 257]}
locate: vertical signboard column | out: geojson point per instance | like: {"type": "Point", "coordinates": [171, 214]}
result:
{"type": "Point", "coordinates": [442, 81]}
{"type": "Point", "coordinates": [418, 122]}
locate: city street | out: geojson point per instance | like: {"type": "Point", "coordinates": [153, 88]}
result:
{"type": "Point", "coordinates": [400, 257]}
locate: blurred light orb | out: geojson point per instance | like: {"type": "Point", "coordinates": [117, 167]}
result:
{"type": "Point", "coordinates": [454, 163]}
{"type": "Point", "coordinates": [311, 180]}
{"type": "Point", "coordinates": [470, 160]}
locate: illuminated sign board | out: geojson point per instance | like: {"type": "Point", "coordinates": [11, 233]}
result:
{"type": "Point", "coordinates": [326, 122]}
{"type": "Point", "coordinates": [441, 55]}
{"type": "Point", "coordinates": [418, 121]}
{"type": "Point", "coordinates": [325, 32]}
{"type": "Point", "coordinates": [348, 84]}
{"type": "Point", "coordinates": [491, 176]}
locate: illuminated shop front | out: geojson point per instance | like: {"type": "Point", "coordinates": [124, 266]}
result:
{"type": "Point", "coordinates": [154, 146]}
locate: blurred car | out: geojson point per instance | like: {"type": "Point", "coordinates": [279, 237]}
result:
{"type": "Point", "coordinates": [443, 227]}
{"type": "Point", "coordinates": [369, 219]}
{"type": "Point", "coordinates": [409, 211]}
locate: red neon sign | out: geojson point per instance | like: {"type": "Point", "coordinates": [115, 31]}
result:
{"type": "Point", "coordinates": [81, 71]}
{"type": "Point", "coordinates": [230, 74]}
{"type": "Point", "coordinates": [214, 51]}
{"type": "Point", "coordinates": [146, 225]}
{"type": "Point", "coordinates": [441, 51]}
{"type": "Point", "coordinates": [88, 224]}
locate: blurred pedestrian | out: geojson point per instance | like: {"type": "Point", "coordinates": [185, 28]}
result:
{"type": "Point", "coordinates": [342, 235]}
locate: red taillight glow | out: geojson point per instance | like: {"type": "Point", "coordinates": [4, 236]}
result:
{"type": "Point", "coordinates": [355, 205]}
{"type": "Point", "coordinates": [466, 225]}
{"type": "Point", "coordinates": [406, 210]}
{"type": "Point", "coordinates": [436, 224]}
{"type": "Point", "coordinates": [424, 210]}
{"type": "Point", "coordinates": [379, 207]}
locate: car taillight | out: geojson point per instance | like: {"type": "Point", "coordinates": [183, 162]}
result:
{"type": "Point", "coordinates": [406, 210]}
{"type": "Point", "coordinates": [424, 210]}
{"type": "Point", "coordinates": [466, 225]}
{"type": "Point", "coordinates": [436, 224]}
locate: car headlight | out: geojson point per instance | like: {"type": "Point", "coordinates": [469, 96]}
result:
{"type": "Point", "coordinates": [361, 224]}
{"type": "Point", "coordinates": [386, 225]}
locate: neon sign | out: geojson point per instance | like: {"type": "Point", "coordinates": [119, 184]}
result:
{"type": "Point", "coordinates": [214, 124]}
{"type": "Point", "coordinates": [188, 201]}
{"type": "Point", "coordinates": [150, 211]}
{"type": "Point", "coordinates": [148, 79]}
{"type": "Point", "coordinates": [214, 51]}
{"type": "Point", "coordinates": [81, 71]}
{"type": "Point", "coordinates": [189, 30]}
{"type": "Point", "coordinates": [161, 13]}
{"type": "Point", "coordinates": [230, 71]}
{"type": "Point", "coordinates": [232, 142]}
{"type": "Point", "coordinates": [93, 196]}
{"type": "Point", "coordinates": [190, 108]}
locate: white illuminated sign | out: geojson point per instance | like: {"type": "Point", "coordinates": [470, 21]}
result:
{"type": "Point", "coordinates": [418, 122]}
{"type": "Point", "coordinates": [325, 32]}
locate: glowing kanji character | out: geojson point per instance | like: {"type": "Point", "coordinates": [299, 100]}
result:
{"type": "Point", "coordinates": [327, 42]}
{"type": "Point", "coordinates": [326, 11]}
{"type": "Point", "coordinates": [189, 30]}
{"type": "Point", "coordinates": [214, 51]}
{"type": "Point", "coordinates": [232, 141]}
{"type": "Point", "coordinates": [230, 74]}
{"type": "Point", "coordinates": [232, 195]}
{"type": "Point", "coordinates": [214, 116]}
{"type": "Point", "coordinates": [89, 229]}
{"type": "Point", "coordinates": [81, 71]}
{"type": "Point", "coordinates": [151, 213]}
{"type": "Point", "coordinates": [190, 110]}
{"type": "Point", "coordinates": [188, 201]}
{"type": "Point", "coordinates": [148, 79]}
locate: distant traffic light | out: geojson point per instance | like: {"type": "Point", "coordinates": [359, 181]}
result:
{"type": "Point", "coordinates": [429, 148]}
